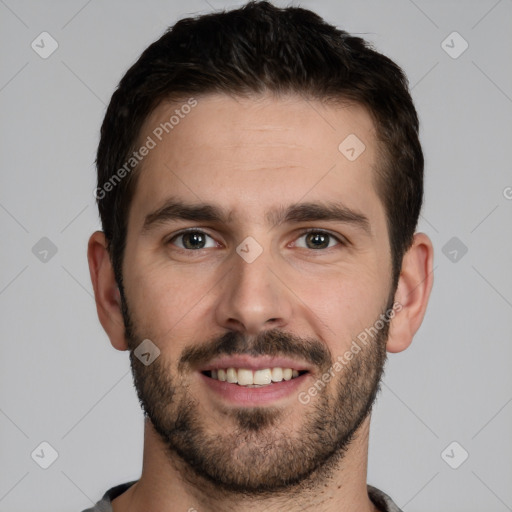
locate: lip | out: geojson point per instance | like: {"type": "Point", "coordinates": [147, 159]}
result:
{"type": "Point", "coordinates": [244, 396]}
{"type": "Point", "coordinates": [255, 363]}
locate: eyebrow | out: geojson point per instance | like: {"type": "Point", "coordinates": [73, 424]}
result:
{"type": "Point", "coordinates": [174, 209]}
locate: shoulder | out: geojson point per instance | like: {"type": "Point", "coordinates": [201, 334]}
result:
{"type": "Point", "coordinates": [382, 500]}
{"type": "Point", "coordinates": [105, 504]}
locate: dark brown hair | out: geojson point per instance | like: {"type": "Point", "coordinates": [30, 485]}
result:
{"type": "Point", "coordinates": [260, 48]}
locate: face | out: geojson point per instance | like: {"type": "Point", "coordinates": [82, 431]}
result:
{"type": "Point", "coordinates": [256, 254]}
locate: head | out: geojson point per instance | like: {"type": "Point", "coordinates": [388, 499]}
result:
{"type": "Point", "coordinates": [293, 249]}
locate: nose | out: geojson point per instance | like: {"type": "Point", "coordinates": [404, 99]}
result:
{"type": "Point", "coordinates": [252, 297]}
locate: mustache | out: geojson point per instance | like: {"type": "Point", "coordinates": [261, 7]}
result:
{"type": "Point", "coordinates": [268, 343]}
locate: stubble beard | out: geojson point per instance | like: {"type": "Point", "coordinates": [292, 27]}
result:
{"type": "Point", "coordinates": [257, 456]}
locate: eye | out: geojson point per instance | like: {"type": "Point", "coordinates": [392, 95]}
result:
{"type": "Point", "coordinates": [318, 239]}
{"type": "Point", "coordinates": [193, 239]}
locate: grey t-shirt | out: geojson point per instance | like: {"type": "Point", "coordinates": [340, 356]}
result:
{"type": "Point", "coordinates": [381, 500]}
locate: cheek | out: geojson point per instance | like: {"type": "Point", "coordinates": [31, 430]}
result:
{"type": "Point", "coordinates": [168, 304]}
{"type": "Point", "coordinates": [345, 305]}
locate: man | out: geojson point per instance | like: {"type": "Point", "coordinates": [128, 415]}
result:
{"type": "Point", "coordinates": [259, 185]}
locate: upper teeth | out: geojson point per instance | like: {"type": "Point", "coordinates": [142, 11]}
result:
{"type": "Point", "coordinates": [246, 377]}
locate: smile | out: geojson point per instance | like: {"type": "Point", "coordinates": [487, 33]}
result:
{"type": "Point", "coordinates": [253, 378]}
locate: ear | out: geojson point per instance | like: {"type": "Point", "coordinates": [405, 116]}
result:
{"type": "Point", "coordinates": [106, 292]}
{"type": "Point", "coordinates": [412, 294]}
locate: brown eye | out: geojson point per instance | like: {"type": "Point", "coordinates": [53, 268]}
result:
{"type": "Point", "coordinates": [192, 240]}
{"type": "Point", "coordinates": [315, 239]}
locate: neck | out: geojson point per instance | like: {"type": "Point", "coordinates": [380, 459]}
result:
{"type": "Point", "coordinates": [168, 484]}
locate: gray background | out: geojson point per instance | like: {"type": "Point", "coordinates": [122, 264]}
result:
{"type": "Point", "coordinates": [61, 381]}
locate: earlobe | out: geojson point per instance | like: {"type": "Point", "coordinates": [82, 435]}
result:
{"type": "Point", "coordinates": [106, 291]}
{"type": "Point", "coordinates": [413, 292]}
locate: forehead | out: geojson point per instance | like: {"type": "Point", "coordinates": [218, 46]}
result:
{"type": "Point", "coordinates": [249, 154]}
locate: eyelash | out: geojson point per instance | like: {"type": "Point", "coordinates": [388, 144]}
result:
{"type": "Point", "coordinates": [341, 240]}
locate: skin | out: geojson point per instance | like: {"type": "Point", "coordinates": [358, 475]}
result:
{"type": "Point", "coordinates": [250, 156]}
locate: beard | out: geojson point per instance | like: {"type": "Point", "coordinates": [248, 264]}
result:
{"type": "Point", "coordinates": [258, 456]}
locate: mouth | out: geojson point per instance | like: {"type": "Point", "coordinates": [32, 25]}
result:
{"type": "Point", "coordinates": [249, 378]}
{"type": "Point", "coordinates": [244, 380]}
